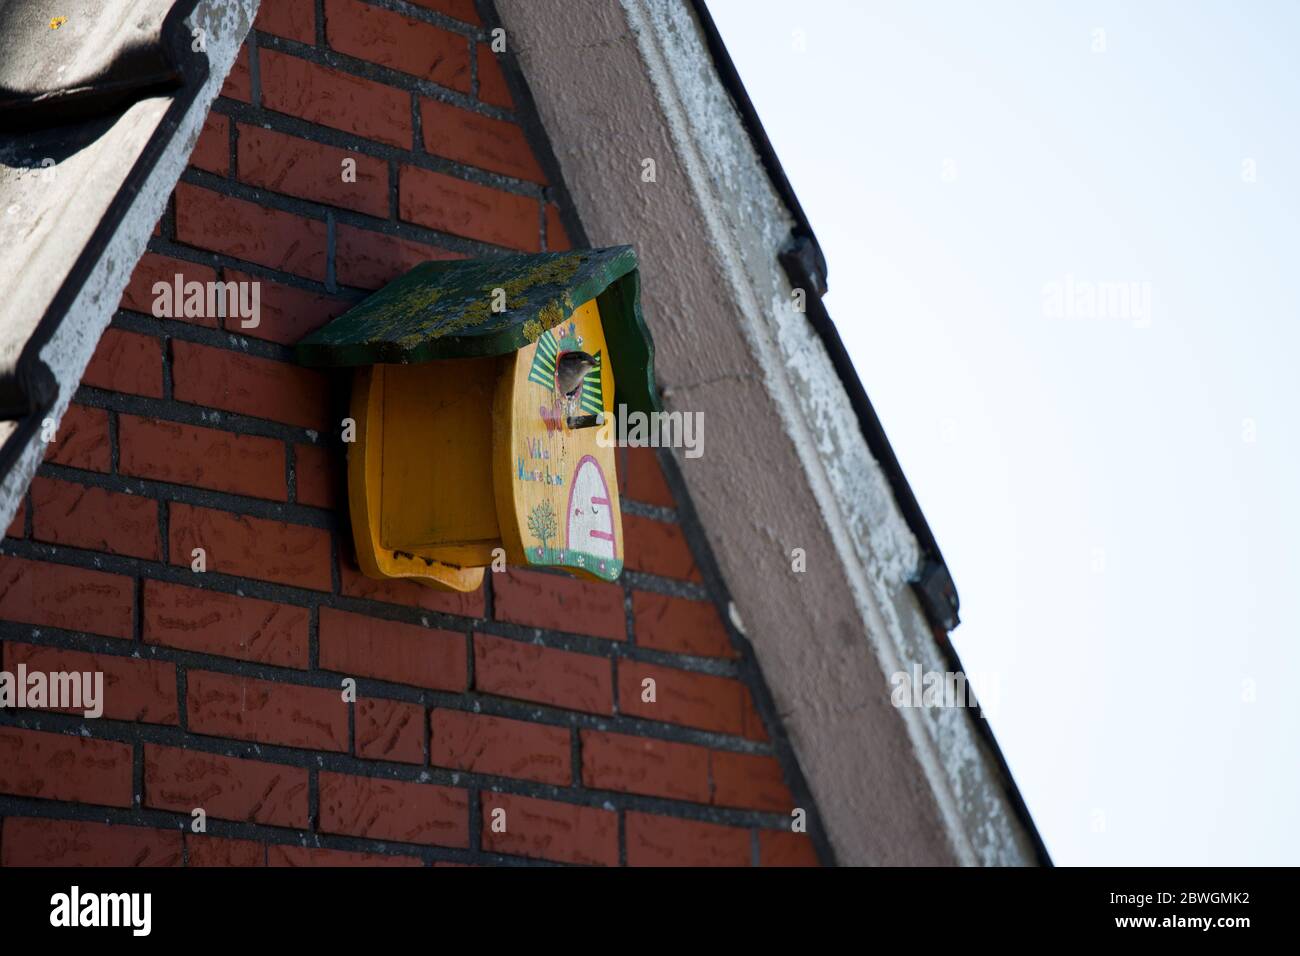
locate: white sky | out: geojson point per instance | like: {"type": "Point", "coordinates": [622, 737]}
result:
{"type": "Point", "coordinates": [1127, 557]}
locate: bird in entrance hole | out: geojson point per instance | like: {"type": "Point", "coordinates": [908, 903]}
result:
{"type": "Point", "coordinates": [570, 369]}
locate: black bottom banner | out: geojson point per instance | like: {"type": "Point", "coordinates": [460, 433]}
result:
{"type": "Point", "coordinates": [1175, 906]}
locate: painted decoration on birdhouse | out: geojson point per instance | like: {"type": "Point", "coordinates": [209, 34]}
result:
{"type": "Point", "coordinates": [591, 511]}
{"type": "Point", "coordinates": [557, 493]}
{"type": "Point", "coordinates": [480, 392]}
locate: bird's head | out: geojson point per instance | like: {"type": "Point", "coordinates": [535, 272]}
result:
{"type": "Point", "coordinates": [571, 368]}
{"type": "Point", "coordinates": [576, 364]}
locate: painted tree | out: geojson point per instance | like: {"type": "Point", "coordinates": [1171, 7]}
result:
{"type": "Point", "coordinates": [542, 522]}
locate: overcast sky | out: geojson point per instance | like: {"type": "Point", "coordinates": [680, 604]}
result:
{"type": "Point", "coordinates": [999, 188]}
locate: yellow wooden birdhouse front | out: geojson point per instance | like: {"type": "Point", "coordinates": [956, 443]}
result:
{"type": "Point", "coordinates": [484, 399]}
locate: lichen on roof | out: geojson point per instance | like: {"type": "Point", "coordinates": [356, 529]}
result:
{"type": "Point", "coordinates": [445, 309]}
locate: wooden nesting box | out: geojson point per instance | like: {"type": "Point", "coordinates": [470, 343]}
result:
{"type": "Point", "coordinates": [466, 450]}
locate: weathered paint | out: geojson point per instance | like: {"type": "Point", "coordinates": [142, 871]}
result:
{"type": "Point", "coordinates": [69, 350]}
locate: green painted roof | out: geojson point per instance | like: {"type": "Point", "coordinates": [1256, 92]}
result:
{"type": "Point", "coordinates": [443, 309]}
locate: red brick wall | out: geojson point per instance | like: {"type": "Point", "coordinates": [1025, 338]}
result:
{"type": "Point", "coordinates": [223, 687]}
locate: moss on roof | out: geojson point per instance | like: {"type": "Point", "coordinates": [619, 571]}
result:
{"type": "Point", "coordinates": [445, 309]}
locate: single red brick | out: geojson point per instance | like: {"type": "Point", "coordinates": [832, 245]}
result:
{"type": "Point", "coordinates": [209, 622]}
{"type": "Point", "coordinates": [81, 440]}
{"type": "Point", "coordinates": [65, 767]}
{"type": "Point", "coordinates": [224, 787]}
{"type": "Point", "coordinates": [18, 527]}
{"type": "Point", "coordinates": [245, 230]}
{"type": "Point", "coordinates": [262, 388]}
{"type": "Point", "coordinates": [318, 856]}
{"type": "Point", "coordinates": [212, 151]}
{"type": "Point", "coordinates": [557, 237]}
{"type": "Point", "coordinates": [448, 204]}
{"type": "Point", "coordinates": [203, 457]}
{"type": "Point", "coordinates": [778, 848]}
{"type": "Point", "coordinates": [349, 103]}
{"type": "Point", "coordinates": [299, 167]}
{"type": "Point", "coordinates": [79, 517]}
{"type": "Point", "coordinates": [134, 689]}
{"type": "Point", "coordinates": [317, 475]}
{"type": "Point", "coordinates": [126, 362]}
{"type": "Point", "coordinates": [291, 19]}
{"type": "Point", "coordinates": [31, 842]}
{"type": "Point", "coordinates": [549, 830]}
{"type": "Point", "coordinates": [657, 768]}
{"type": "Point", "coordinates": [459, 9]}
{"type": "Point", "coordinates": [478, 743]}
{"type": "Point", "coordinates": [384, 809]}
{"type": "Point", "coordinates": [286, 314]}
{"type": "Point", "coordinates": [390, 730]}
{"type": "Point", "coordinates": [492, 86]}
{"type": "Point", "coordinates": [679, 625]}
{"type": "Point", "coordinates": [354, 644]}
{"type": "Point", "coordinates": [75, 599]}
{"type": "Point", "coordinates": [153, 268]}
{"type": "Point", "coordinates": [218, 851]}
{"type": "Point", "coordinates": [749, 780]}
{"type": "Point", "coordinates": [409, 593]}
{"type": "Point", "coordinates": [542, 674]}
{"type": "Point", "coordinates": [67, 513]}
{"type": "Point", "coordinates": [666, 841]}
{"type": "Point", "coordinates": [238, 84]}
{"type": "Point", "coordinates": [476, 140]}
{"type": "Point", "coordinates": [657, 547]}
{"type": "Point", "coordinates": [251, 547]}
{"type": "Point", "coordinates": [645, 478]}
{"type": "Point", "coordinates": [369, 260]}
{"type": "Point", "coordinates": [682, 697]}
{"type": "Point", "coordinates": [559, 603]}
{"type": "Point", "coordinates": [225, 705]}
{"type": "Point", "coordinates": [392, 40]}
